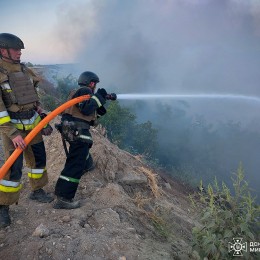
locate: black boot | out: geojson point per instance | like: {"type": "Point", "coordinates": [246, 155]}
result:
{"type": "Point", "coordinates": [62, 203]}
{"type": "Point", "coordinates": [4, 216]}
{"type": "Point", "coordinates": [41, 196]}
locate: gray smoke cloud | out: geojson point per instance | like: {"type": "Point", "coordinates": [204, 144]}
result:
{"type": "Point", "coordinates": [171, 46]}
{"type": "Point", "coordinates": [167, 46]}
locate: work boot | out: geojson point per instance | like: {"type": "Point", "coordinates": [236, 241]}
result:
{"type": "Point", "coordinates": [4, 216]}
{"type": "Point", "coordinates": [62, 203]}
{"type": "Point", "coordinates": [91, 168]}
{"type": "Point", "coordinates": [41, 196]}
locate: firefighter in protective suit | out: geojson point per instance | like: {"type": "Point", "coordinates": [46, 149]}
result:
{"type": "Point", "coordinates": [74, 127]}
{"type": "Point", "coordinates": [19, 114]}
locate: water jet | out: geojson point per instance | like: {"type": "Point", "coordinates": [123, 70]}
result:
{"type": "Point", "coordinates": [187, 96]}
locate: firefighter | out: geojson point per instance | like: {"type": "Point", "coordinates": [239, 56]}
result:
{"type": "Point", "coordinates": [20, 112]}
{"type": "Point", "coordinates": [74, 127]}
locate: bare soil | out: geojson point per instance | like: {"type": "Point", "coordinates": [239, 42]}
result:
{"type": "Point", "coordinates": [129, 211]}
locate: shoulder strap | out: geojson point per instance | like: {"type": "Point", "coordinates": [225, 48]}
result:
{"type": "Point", "coordinates": [72, 93]}
{"type": "Point", "coordinates": [4, 71]}
{"type": "Point", "coordinates": [23, 67]}
{"type": "Point", "coordinates": [3, 75]}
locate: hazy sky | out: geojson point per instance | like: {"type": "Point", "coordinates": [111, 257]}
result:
{"type": "Point", "coordinates": [150, 46]}
{"type": "Point", "coordinates": [207, 46]}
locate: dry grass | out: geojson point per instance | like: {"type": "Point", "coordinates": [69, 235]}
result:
{"type": "Point", "coordinates": [140, 200]}
{"type": "Point", "coordinates": [152, 179]}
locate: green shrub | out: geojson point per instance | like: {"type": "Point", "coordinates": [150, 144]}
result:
{"type": "Point", "coordinates": [224, 217]}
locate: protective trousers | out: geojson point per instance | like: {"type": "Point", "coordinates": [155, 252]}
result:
{"type": "Point", "coordinates": [35, 157]}
{"type": "Point", "coordinates": [75, 166]}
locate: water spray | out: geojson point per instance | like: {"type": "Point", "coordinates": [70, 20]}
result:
{"type": "Point", "coordinates": [187, 96]}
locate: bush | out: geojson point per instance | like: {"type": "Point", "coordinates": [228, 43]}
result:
{"type": "Point", "coordinates": [225, 217]}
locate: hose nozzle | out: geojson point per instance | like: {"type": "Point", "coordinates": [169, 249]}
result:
{"type": "Point", "coordinates": [111, 96]}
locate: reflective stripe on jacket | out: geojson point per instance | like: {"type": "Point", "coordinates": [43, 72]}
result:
{"type": "Point", "coordinates": [26, 124]}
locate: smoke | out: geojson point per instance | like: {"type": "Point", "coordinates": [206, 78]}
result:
{"type": "Point", "coordinates": [174, 47]}
{"type": "Point", "coordinates": [143, 46]}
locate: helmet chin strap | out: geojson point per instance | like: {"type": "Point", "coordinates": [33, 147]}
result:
{"type": "Point", "coordinates": [9, 57]}
{"type": "Point", "coordinates": [92, 86]}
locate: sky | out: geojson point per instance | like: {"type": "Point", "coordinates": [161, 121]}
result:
{"type": "Point", "coordinates": [193, 45]}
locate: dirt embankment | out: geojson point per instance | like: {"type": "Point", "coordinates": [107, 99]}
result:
{"type": "Point", "coordinates": [128, 212]}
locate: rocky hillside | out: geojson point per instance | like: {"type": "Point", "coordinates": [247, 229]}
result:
{"type": "Point", "coordinates": [128, 211]}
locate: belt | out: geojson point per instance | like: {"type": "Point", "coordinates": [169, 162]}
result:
{"type": "Point", "coordinates": [27, 114]}
{"type": "Point", "coordinates": [77, 121]}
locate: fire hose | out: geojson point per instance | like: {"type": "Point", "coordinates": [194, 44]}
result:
{"type": "Point", "coordinates": [9, 162]}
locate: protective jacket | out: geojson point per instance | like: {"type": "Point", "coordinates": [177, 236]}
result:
{"type": "Point", "coordinates": [18, 101]}
{"type": "Point", "coordinates": [86, 110]}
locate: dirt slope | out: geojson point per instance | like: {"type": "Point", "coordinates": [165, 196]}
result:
{"type": "Point", "coordinates": [128, 212]}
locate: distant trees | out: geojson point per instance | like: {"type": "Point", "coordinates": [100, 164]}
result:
{"type": "Point", "coordinates": [123, 129]}
{"type": "Point", "coordinates": [121, 126]}
{"type": "Point", "coordinates": [52, 97]}
{"type": "Point", "coordinates": [29, 64]}
{"type": "Point", "coordinates": [190, 148]}
{"type": "Point", "coordinates": [65, 85]}
{"type": "Point", "coordinates": [49, 102]}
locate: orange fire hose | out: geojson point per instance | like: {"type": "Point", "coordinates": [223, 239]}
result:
{"type": "Point", "coordinates": [9, 162]}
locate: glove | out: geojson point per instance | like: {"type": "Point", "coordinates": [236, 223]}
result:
{"type": "Point", "coordinates": [111, 96]}
{"type": "Point", "coordinates": [102, 92]}
{"type": "Point", "coordinates": [39, 110]}
{"type": "Point", "coordinates": [101, 111]}
{"type": "Point", "coordinates": [47, 130]}
{"type": "Point", "coordinates": [42, 115]}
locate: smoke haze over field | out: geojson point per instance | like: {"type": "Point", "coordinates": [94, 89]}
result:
{"type": "Point", "coordinates": [174, 47]}
{"type": "Point", "coordinates": [178, 47]}
{"type": "Point", "coordinates": [151, 46]}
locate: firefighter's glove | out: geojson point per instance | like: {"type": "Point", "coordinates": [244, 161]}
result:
{"type": "Point", "coordinates": [47, 130]}
{"type": "Point", "coordinates": [112, 96]}
{"type": "Point", "coordinates": [102, 92]}
{"type": "Point", "coordinates": [101, 111]}
{"type": "Point", "coordinates": [42, 115]}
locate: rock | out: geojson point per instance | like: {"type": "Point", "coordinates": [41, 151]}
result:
{"type": "Point", "coordinates": [19, 222]}
{"type": "Point", "coordinates": [66, 218]}
{"type": "Point", "coordinates": [168, 186]}
{"type": "Point", "coordinates": [41, 231]}
{"type": "Point", "coordinates": [106, 217]}
{"type": "Point", "coordinates": [132, 178]}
